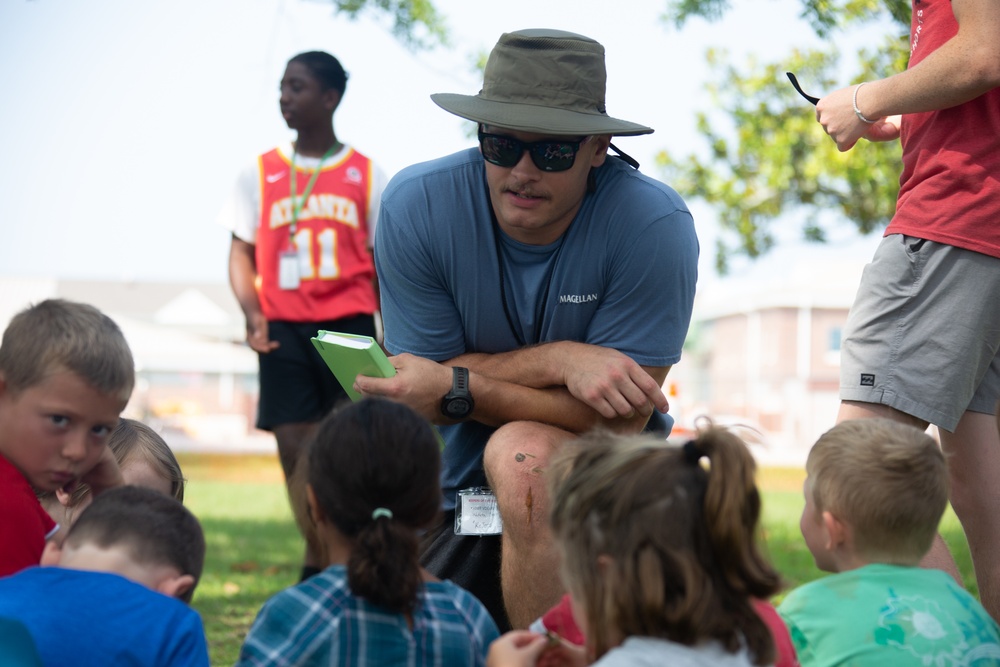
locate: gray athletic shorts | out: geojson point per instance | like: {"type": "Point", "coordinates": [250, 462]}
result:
{"type": "Point", "coordinates": [923, 334]}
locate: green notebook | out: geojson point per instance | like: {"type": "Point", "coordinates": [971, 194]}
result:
{"type": "Point", "coordinates": [351, 355]}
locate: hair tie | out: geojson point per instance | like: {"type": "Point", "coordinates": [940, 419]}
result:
{"type": "Point", "coordinates": [381, 511]}
{"type": "Point", "coordinates": [692, 453]}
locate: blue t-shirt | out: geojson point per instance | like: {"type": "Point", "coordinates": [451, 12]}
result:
{"type": "Point", "coordinates": [622, 276]}
{"type": "Point", "coordinates": [95, 619]}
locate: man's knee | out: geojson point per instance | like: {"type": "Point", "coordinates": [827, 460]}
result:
{"type": "Point", "coordinates": [515, 460]}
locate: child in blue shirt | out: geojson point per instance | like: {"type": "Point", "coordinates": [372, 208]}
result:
{"type": "Point", "coordinates": [126, 570]}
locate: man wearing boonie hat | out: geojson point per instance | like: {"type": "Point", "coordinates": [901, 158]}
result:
{"type": "Point", "coordinates": [532, 288]}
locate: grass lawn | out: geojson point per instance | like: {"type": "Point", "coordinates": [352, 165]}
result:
{"type": "Point", "coordinates": [254, 549]}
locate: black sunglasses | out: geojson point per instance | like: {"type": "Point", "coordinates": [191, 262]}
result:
{"type": "Point", "coordinates": [795, 82]}
{"type": "Point", "coordinates": [548, 155]}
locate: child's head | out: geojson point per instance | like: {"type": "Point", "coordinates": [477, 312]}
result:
{"type": "Point", "coordinates": [656, 544]}
{"type": "Point", "coordinates": [326, 69]}
{"type": "Point", "coordinates": [140, 534]}
{"type": "Point", "coordinates": [886, 481]}
{"type": "Point", "coordinates": [145, 459]}
{"type": "Point", "coordinates": [66, 373]}
{"type": "Point", "coordinates": [373, 476]}
{"type": "Point", "coordinates": [58, 335]}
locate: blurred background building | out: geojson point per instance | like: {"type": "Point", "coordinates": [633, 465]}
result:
{"type": "Point", "coordinates": [763, 351]}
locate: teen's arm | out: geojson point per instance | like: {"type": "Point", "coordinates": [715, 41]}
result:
{"type": "Point", "coordinates": [242, 277]}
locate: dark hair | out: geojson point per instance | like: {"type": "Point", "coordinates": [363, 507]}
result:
{"type": "Point", "coordinates": [679, 539]}
{"type": "Point", "coordinates": [378, 454]}
{"type": "Point", "coordinates": [326, 68]}
{"type": "Point", "coordinates": [59, 335]}
{"type": "Point", "coordinates": [157, 529]}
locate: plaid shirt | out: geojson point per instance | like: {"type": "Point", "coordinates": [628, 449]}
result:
{"type": "Point", "coordinates": [320, 622]}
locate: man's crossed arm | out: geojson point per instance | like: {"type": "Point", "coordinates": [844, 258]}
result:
{"type": "Point", "coordinates": [575, 386]}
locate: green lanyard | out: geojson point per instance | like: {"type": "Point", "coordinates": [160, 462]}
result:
{"type": "Point", "coordinates": [298, 202]}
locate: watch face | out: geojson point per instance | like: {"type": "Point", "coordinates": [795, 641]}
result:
{"type": "Point", "coordinates": [459, 407]}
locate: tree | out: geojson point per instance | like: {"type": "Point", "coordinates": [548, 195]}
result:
{"type": "Point", "coordinates": [768, 157]}
{"type": "Point", "coordinates": [415, 23]}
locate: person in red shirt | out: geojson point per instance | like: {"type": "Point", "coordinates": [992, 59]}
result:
{"type": "Point", "coordinates": [66, 373]}
{"type": "Point", "coordinates": [302, 218]}
{"type": "Point", "coordinates": [922, 341]}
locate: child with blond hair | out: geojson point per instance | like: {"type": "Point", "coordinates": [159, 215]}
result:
{"type": "Point", "coordinates": [659, 554]}
{"type": "Point", "coordinates": [875, 492]}
{"type": "Point", "coordinates": [145, 459]}
{"type": "Point", "coordinates": [66, 374]}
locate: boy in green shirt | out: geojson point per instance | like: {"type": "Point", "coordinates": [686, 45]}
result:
{"type": "Point", "coordinates": [875, 492]}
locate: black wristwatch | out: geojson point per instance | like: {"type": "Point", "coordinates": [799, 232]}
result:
{"type": "Point", "coordinates": [457, 403]}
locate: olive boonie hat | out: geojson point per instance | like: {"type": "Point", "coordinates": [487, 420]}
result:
{"type": "Point", "coordinates": [542, 81]}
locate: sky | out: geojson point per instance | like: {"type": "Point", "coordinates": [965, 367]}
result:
{"type": "Point", "coordinates": [124, 123]}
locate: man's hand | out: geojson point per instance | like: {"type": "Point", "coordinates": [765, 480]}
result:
{"type": "Point", "coordinates": [419, 383]}
{"type": "Point", "coordinates": [257, 334]}
{"type": "Point", "coordinates": [611, 382]}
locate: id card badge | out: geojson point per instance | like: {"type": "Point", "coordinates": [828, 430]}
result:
{"type": "Point", "coordinates": [476, 512]}
{"type": "Point", "coordinates": [288, 269]}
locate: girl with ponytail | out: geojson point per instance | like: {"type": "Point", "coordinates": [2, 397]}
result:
{"type": "Point", "coordinates": [372, 485]}
{"type": "Point", "coordinates": [659, 555]}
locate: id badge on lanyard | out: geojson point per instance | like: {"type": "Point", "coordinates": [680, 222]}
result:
{"type": "Point", "coordinates": [476, 512]}
{"type": "Point", "coordinates": [288, 259]}
{"type": "Point", "coordinates": [288, 268]}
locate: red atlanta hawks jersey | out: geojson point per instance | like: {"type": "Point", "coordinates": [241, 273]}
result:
{"type": "Point", "coordinates": [331, 235]}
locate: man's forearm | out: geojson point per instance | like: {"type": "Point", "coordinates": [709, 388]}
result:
{"type": "Point", "coordinates": [596, 385]}
{"type": "Point", "coordinates": [534, 366]}
{"type": "Point", "coordinates": [499, 402]}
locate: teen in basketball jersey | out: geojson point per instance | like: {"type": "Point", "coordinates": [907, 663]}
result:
{"type": "Point", "coordinates": [302, 220]}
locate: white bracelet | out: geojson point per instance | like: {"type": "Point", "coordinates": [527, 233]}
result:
{"type": "Point", "coordinates": [857, 111]}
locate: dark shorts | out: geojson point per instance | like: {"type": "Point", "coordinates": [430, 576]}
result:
{"type": "Point", "coordinates": [295, 384]}
{"type": "Point", "coordinates": [470, 561]}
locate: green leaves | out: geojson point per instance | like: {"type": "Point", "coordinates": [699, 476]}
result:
{"type": "Point", "coordinates": [415, 23]}
{"type": "Point", "coordinates": [767, 158]}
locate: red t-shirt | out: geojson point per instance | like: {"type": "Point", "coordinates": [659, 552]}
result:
{"type": "Point", "coordinates": [24, 523]}
{"type": "Point", "coordinates": [332, 237]}
{"type": "Point", "coordinates": [950, 185]}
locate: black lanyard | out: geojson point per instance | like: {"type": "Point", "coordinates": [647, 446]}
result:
{"type": "Point", "coordinates": [540, 309]}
